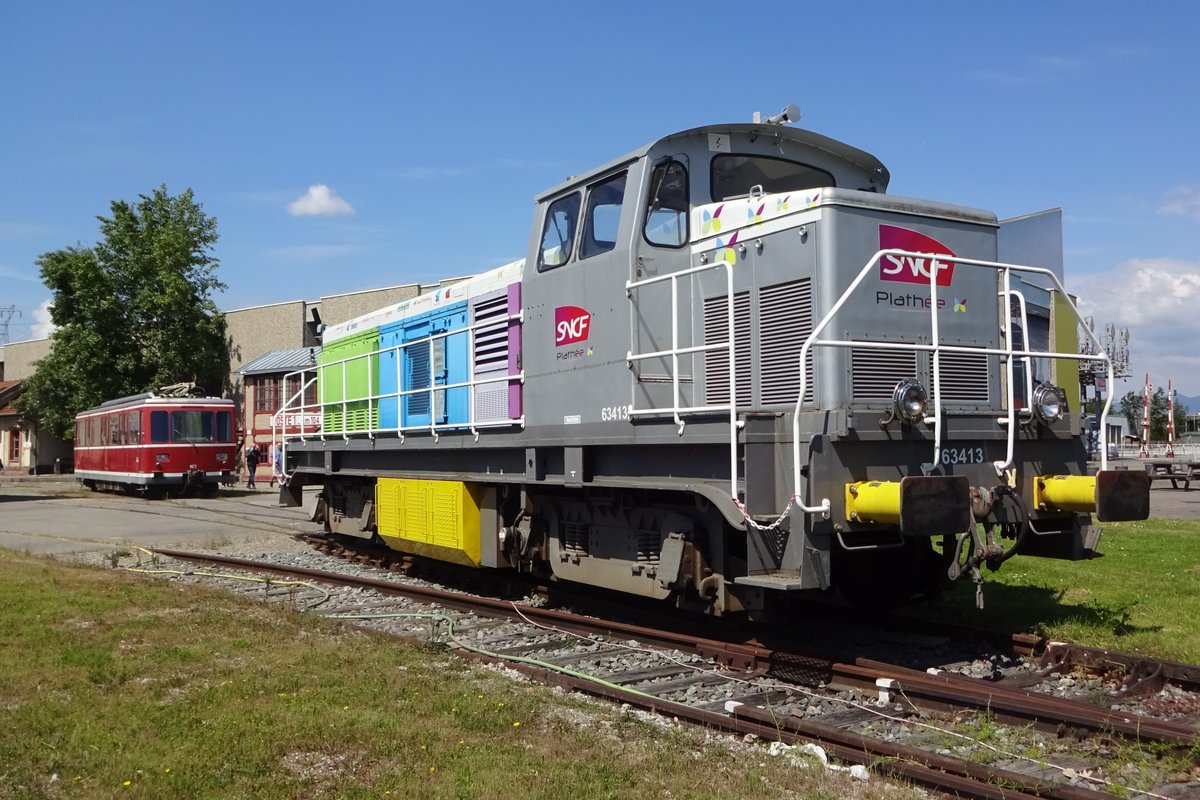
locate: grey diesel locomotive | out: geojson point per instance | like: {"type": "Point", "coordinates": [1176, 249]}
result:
{"type": "Point", "coordinates": [729, 366]}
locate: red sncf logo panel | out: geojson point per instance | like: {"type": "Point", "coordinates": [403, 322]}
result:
{"type": "Point", "coordinates": [913, 269]}
{"type": "Point", "coordinates": [571, 324]}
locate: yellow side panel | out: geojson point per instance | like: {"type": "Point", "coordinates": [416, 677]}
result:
{"type": "Point", "coordinates": [1064, 338]}
{"type": "Point", "coordinates": [439, 519]}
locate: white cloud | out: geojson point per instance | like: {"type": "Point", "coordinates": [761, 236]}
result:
{"type": "Point", "coordinates": [1157, 300]}
{"type": "Point", "coordinates": [319, 201]}
{"type": "Point", "coordinates": [42, 326]}
{"type": "Point", "coordinates": [1182, 201]}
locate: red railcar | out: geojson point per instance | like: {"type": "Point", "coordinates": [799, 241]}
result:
{"type": "Point", "coordinates": [151, 444]}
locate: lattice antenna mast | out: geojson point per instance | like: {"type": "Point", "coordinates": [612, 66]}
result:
{"type": "Point", "coordinates": [5, 315]}
{"type": "Point", "coordinates": [1145, 452]}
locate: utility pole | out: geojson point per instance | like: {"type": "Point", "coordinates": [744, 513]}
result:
{"type": "Point", "coordinates": [6, 314]}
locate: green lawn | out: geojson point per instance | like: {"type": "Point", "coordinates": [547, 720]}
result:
{"type": "Point", "coordinates": [1142, 596]}
{"type": "Point", "coordinates": [118, 685]}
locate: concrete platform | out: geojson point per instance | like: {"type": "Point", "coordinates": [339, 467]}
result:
{"type": "Point", "coordinates": [52, 514]}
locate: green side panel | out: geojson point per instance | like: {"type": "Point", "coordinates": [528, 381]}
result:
{"type": "Point", "coordinates": [1064, 338]}
{"type": "Point", "coordinates": [348, 378]}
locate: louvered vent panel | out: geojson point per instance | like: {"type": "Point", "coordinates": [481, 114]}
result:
{"type": "Point", "coordinates": [964, 377]}
{"type": "Point", "coordinates": [785, 321]}
{"type": "Point", "coordinates": [491, 339]}
{"type": "Point", "coordinates": [716, 362]}
{"type": "Point", "coordinates": [491, 358]}
{"type": "Point", "coordinates": [875, 373]}
{"type": "Point", "coordinates": [419, 377]}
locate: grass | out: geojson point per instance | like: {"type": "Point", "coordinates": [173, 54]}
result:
{"type": "Point", "coordinates": [118, 685]}
{"type": "Point", "coordinates": [1142, 596]}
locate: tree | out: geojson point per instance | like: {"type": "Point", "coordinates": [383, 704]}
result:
{"type": "Point", "coordinates": [1131, 407]}
{"type": "Point", "coordinates": [133, 313]}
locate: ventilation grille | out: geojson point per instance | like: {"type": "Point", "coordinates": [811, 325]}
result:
{"type": "Point", "coordinates": [491, 358]}
{"type": "Point", "coordinates": [965, 377]}
{"type": "Point", "coordinates": [716, 362]}
{"type": "Point", "coordinates": [574, 538]}
{"type": "Point", "coordinates": [785, 321]}
{"type": "Point", "coordinates": [491, 335]}
{"type": "Point", "coordinates": [875, 373]}
{"type": "Point", "coordinates": [419, 377]}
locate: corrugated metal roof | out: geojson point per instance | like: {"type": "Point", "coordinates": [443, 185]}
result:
{"type": "Point", "coordinates": [282, 361]}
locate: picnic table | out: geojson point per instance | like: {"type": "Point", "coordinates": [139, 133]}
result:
{"type": "Point", "coordinates": [1174, 470]}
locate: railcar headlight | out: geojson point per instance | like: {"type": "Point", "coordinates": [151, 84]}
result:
{"type": "Point", "coordinates": [222, 457]}
{"type": "Point", "coordinates": [910, 398]}
{"type": "Point", "coordinates": [1048, 403]}
{"type": "Point", "coordinates": [161, 457]}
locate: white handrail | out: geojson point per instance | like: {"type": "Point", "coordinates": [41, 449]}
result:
{"type": "Point", "coordinates": [372, 398]}
{"type": "Point", "coordinates": [676, 410]}
{"type": "Point", "coordinates": [936, 348]}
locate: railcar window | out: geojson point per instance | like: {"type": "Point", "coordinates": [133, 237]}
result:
{"type": "Point", "coordinates": [224, 431]}
{"type": "Point", "coordinates": [135, 427]}
{"type": "Point", "coordinates": [114, 429]}
{"type": "Point", "coordinates": [602, 217]}
{"type": "Point", "coordinates": [735, 175]}
{"type": "Point", "coordinates": [667, 206]}
{"type": "Point", "coordinates": [160, 431]}
{"type": "Point", "coordinates": [558, 234]}
{"type": "Point", "coordinates": [192, 426]}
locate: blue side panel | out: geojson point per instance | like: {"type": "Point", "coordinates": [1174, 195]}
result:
{"type": "Point", "coordinates": [390, 336]}
{"type": "Point", "coordinates": [425, 365]}
{"type": "Point", "coordinates": [456, 363]}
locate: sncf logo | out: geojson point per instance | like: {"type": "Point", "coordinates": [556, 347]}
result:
{"type": "Point", "coordinates": [913, 269]}
{"type": "Point", "coordinates": [571, 325]}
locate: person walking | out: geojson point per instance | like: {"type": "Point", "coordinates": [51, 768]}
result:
{"type": "Point", "coordinates": [276, 465]}
{"type": "Point", "coordinates": [252, 459]}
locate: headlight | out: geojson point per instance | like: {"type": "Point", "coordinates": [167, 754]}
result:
{"type": "Point", "coordinates": [1048, 403]}
{"type": "Point", "coordinates": [910, 398]}
{"type": "Point", "coordinates": [221, 457]}
{"type": "Point", "coordinates": [161, 457]}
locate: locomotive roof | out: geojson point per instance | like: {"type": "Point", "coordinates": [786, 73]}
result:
{"type": "Point", "coordinates": [805, 138]}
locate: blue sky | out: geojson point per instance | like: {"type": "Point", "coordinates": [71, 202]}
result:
{"type": "Point", "coordinates": [430, 127]}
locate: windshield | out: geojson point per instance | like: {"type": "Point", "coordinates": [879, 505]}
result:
{"type": "Point", "coordinates": [201, 426]}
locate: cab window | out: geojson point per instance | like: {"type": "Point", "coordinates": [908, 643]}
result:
{"type": "Point", "coordinates": [603, 216]}
{"type": "Point", "coordinates": [667, 206]}
{"type": "Point", "coordinates": [736, 175]}
{"type": "Point", "coordinates": [558, 234]}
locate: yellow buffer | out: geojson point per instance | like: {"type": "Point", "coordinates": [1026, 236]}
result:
{"type": "Point", "coordinates": [873, 501]}
{"type": "Point", "coordinates": [1065, 493]}
{"type": "Point", "coordinates": [438, 519]}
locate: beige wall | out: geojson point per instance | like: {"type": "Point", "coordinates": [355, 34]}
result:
{"type": "Point", "coordinates": [339, 308]}
{"type": "Point", "coordinates": [20, 358]}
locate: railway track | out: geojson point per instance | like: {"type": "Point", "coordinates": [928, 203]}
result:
{"type": "Point", "coordinates": [944, 731]}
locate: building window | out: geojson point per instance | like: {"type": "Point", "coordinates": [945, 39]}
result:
{"type": "Point", "coordinates": [310, 392]}
{"type": "Point", "coordinates": [14, 446]}
{"type": "Point", "coordinates": [266, 395]}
